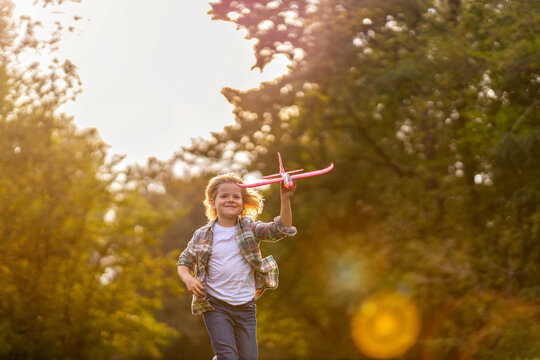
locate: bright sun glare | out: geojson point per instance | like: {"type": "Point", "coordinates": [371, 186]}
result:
{"type": "Point", "coordinates": [149, 89]}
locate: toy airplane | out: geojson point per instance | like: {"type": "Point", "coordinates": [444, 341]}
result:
{"type": "Point", "coordinates": [286, 176]}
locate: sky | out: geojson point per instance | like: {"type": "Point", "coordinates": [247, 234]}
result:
{"type": "Point", "coordinates": [152, 71]}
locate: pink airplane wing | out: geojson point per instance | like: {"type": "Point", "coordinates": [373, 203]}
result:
{"type": "Point", "coordinates": [313, 173]}
{"type": "Point", "coordinates": [297, 176]}
{"type": "Point", "coordinates": [266, 182]}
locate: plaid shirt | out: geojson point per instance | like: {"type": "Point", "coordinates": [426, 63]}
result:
{"type": "Point", "coordinates": [248, 235]}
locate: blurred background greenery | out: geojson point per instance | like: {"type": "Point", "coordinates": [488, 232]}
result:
{"type": "Point", "coordinates": [429, 110]}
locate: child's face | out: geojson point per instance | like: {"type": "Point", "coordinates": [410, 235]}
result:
{"type": "Point", "coordinates": [228, 202]}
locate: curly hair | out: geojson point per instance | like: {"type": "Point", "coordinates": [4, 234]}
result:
{"type": "Point", "coordinates": [252, 201]}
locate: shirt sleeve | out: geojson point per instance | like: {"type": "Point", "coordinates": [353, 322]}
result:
{"type": "Point", "coordinates": [272, 231]}
{"type": "Point", "coordinates": [188, 257]}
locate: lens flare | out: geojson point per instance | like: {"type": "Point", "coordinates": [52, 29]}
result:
{"type": "Point", "coordinates": [385, 326]}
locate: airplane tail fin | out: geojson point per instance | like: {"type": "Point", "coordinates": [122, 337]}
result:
{"type": "Point", "coordinates": [281, 169]}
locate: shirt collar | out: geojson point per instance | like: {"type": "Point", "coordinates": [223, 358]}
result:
{"type": "Point", "coordinates": [210, 225]}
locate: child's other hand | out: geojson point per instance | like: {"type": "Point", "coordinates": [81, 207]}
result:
{"type": "Point", "coordinates": [194, 286]}
{"type": "Point", "coordinates": [286, 193]}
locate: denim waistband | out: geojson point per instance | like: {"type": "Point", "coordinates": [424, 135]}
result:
{"type": "Point", "coordinates": [224, 303]}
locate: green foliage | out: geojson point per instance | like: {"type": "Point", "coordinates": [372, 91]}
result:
{"type": "Point", "coordinates": [429, 111]}
{"type": "Point", "coordinates": [82, 268]}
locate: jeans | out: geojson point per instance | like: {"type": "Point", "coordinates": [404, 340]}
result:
{"type": "Point", "coordinates": [232, 330]}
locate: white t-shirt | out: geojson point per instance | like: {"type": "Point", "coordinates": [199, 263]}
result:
{"type": "Point", "coordinates": [229, 276]}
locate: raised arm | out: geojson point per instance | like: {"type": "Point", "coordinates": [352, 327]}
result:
{"type": "Point", "coordinates": [286, 211]}
{"type": "Point", "coordinates": [282, 224]}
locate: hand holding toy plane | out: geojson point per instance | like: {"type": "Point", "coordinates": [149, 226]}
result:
{"type": "Point", "coordinates": [286, 176]}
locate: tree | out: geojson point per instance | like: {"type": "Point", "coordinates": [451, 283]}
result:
{"type": "Point", "coordinates": [429, 110]}
{"type": "Point", "coordinates": [81, 268]}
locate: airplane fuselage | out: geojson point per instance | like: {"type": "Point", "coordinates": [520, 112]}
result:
{"type": "Point", "coordinates": [287, 181]}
